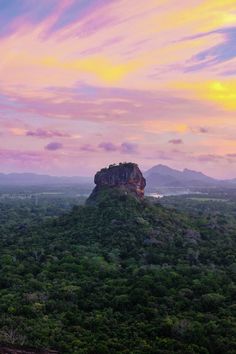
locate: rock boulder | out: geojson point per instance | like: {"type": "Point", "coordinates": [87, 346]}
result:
{"type": "Point", "coordinates": [126, 176]}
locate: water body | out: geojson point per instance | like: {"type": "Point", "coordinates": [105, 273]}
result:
{"type": "Point", "coordinates": [174, 191]}
{"type": "Point", "coordinates": [155, 195]}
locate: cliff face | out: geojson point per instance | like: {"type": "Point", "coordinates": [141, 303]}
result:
{"type": "Point", "coordinates": [125, 176]}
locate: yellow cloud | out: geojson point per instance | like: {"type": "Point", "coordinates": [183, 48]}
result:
{"type": "Point", "coordinates": [156, 126]}
{"type": "Point", "coordinates": [222, 92]}
{"type": "Point", "coordinates": [104, 69]}
{"type": "Point", "coordinates": [18, 131]}
{"type": "Point", "coordinates": [101, 67]}
{"type": "Point", "coordinates": [181, 128]}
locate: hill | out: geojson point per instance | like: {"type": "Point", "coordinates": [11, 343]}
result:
{"type": "Point", "coordinates": [32, 179]}
{"type": "Point", "coordinates": [156, 177]}
{"type": "Point", "coordinates": [163, 176]}
{"type": "Point", "coordinates": [233, 181]}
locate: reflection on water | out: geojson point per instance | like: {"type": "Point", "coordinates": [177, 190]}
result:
{"type": "Point", "coordinates": [165, 192]}
{"type": "Point", "coordinates": [155, 195]}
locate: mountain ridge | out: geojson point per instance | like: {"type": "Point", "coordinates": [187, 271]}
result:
{"type": "Point", "coordinates": [157, 176]}
{"type": "Point", "coordinates": [164, 176]}
{"type": "Point", "coordinates": [29, 178]}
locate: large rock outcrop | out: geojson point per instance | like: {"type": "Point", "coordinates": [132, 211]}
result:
{"type": "Point", "coordinates": [126, 177]}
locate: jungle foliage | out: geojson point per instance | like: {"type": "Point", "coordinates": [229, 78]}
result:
{"type": "Point", "coordinates": [121, 276]}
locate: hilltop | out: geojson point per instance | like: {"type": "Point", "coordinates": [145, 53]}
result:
{"type": "Point", "coordinates": [125, 177]}
{"type": "Point", "coordinates": [164, 176]}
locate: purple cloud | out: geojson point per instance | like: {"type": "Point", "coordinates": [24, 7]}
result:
{"type": "Point", "coordinates": [53, 146]}
{"type": "Point", "coordinates": [22, 156]}
{"type": "Point", "coordinates": [108, 147]}
{"type": "Point", "coordinates": [78, 9]}
{"type": "Point", "coordinates": [232, 156]}
{"type": "Point", "coordinates": [220, 53]}
{"type": "Point", "coordinates": [124, 148]}
{"type": "Point", "coordinates": [176, 141]}
{"type": "Point", "coordinates": [143, 105]}
{"type": "Point", "coordinates": [128, 148]}
{"type": "Point", "coordinates": [42, 133]}
{"type": "Point", "coordinates": [203, 130]}
{"type": "Point", "coordinates": [30, 11]}
{"type": "Point", "coordinates": [209, 158]}
{"type": "Point", "coordinates": [88, 148]}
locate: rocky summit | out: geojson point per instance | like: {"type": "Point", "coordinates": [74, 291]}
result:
{"type": "Point", "coordinates": [126, 177]}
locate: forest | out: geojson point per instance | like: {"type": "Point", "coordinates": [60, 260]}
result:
{"type": "Point", "coordinates": [121, 276]}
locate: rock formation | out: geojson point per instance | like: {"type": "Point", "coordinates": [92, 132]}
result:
{"type": "Point", "coordinates": [126, 177]}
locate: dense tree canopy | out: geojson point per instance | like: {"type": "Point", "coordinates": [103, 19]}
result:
{"type": "Point", "coordinates": [121, 276]}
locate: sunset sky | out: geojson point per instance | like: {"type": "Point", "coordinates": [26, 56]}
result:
{"type": "Point", "coordinates": [86, 83]}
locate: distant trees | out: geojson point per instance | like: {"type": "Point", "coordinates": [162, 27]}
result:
{"type": "Point", "coordinates": [118, 277]}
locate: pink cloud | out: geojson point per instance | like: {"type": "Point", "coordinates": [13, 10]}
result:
{"type": "Point", "coordinates": [109, 104]}
{"type": "Point", "coordinates": [203, 130]}
{"type": "Point", "coordinates": [209, 158]}
{"type": "Point", "coordinates": [108, 147]}
{"type": "Point", "coordinates": [88, 148]}
{"type": "Point", "coordinates": [231, 156]}
{"type": "Point", "coordinates": [22, 160]}
{"type": "Point", "coordinates": [20, 155]}
{"type": "Point", "coordinates": [43, 133]}
{"type": "Point", "coordinates": [176, 141]}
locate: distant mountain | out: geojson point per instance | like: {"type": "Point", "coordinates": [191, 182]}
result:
{"type": "Point", "coordinates": [157, 176]}
{"type": "Point", "coordinates": [232, 180]}
{"type": "Point", "coordinates": [164, 176]}
{"type": "Point", "coordinates": [32, 179]}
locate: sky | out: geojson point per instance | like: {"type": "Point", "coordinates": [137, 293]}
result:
{"type": "Point", "coordinates": [87, 83]}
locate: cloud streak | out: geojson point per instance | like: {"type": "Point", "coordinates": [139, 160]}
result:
{"type": "Point", "coordinates": [176, 141]}
{"type": "Point", "coordinates": [42, 133]}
